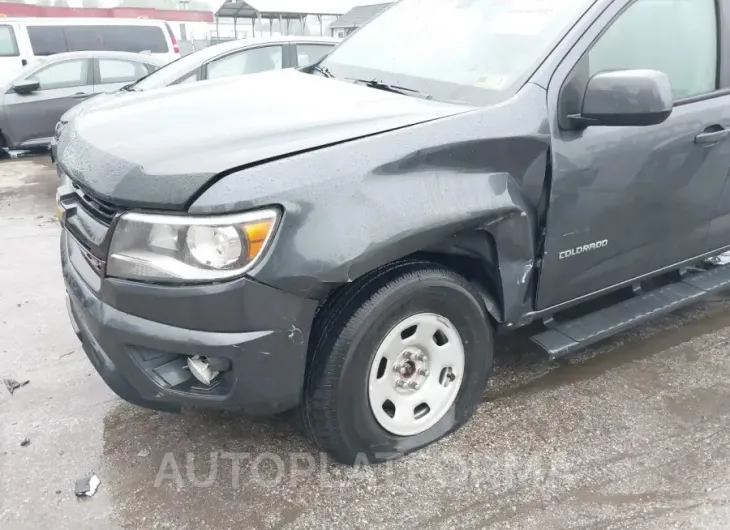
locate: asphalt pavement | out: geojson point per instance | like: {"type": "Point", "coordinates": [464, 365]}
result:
{"type": "Point", "coordinates": [630, 434]}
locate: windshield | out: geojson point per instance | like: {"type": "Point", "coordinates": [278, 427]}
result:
{"type": "Point", "coordinates": [471, 51]}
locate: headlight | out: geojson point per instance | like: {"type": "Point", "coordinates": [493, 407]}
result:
{"type": "Point", "coordinates": [188, 249]}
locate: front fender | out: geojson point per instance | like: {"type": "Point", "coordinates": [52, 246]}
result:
{"type": "Point", "coordinates": [355, 206]}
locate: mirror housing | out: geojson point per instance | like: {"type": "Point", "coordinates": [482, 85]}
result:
{"type": "Point", "coordinates": [27, 86]}
{"type": "Point", "coordinates": [626, 98]}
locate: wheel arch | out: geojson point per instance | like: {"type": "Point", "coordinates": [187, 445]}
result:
{"type": "Point", "coordinates": [497, 257]}
{"type": "Point", "coordinates": [472, 254]}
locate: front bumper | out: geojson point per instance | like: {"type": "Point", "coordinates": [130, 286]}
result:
{"type": "Point", "coordinates": [143, 360]}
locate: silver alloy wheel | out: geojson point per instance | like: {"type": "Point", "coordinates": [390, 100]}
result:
{"type": "Point", "coordinates": [416, 374]}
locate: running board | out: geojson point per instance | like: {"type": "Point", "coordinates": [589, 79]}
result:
{"type": "Point", "coordinates": [567, 337]}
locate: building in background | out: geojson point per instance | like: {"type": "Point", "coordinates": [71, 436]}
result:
{"type": "Point", "coordinates": [355, 18]}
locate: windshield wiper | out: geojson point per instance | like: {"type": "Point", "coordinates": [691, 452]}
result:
{"type": "Point", "coordinates": [376, 83]}
{"type": "Point", "coordinates": [324, 71]}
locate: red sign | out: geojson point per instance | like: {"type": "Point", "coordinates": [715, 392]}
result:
{"type": "Point", "coordinates": [27, 10]}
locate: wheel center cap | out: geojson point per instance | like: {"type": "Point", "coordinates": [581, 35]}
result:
{"type": "Point", "coordinates": [409, 368]}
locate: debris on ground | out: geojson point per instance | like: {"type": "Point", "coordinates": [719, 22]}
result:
{"type": "Point", "coordinates": [144, 453]}
{"type": "Point", "coordinates": [12, 385]}
{"type": "Point", "coordinates": [67, 354]}
{"type": "Point", "coordinates": [25, 442]}
{"type": "Point", "coordinates": [86, 487]}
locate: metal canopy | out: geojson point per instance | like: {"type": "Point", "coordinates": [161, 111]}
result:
{"type": "Point", "coordinates": [359, 16]}
{"type": "Point", "coordinates": [281, 8]}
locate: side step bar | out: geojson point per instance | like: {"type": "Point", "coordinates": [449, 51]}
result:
{"type": "Point", "coordinates": [567, 337]}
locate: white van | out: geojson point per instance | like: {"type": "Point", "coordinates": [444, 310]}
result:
{"type": "Point", "coordinates": [22, 40]}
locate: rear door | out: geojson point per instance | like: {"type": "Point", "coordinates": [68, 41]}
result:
{"type": "Point", "coordinates": [248, 61]}
{"type": "Point", "coordinates": [310, 53]}
{"type": "Point", "coordinates": [33, 117]}
{"type": "Point", "coordinates": [112, 74]}
{"type": "Point", "coordinates": [10, 59]}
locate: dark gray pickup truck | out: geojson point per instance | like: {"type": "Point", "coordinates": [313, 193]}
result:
{"type": "Point", "coordinates": [346, 239]}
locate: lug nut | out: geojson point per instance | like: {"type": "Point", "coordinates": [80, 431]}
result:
{"type": "Point", "coordinates": [413, 385]}
{"type": "Point", "coordinates": [396, 367]}
{"type": "Point", "coordinates": [400, 383]}
{"type": "Point", "coordinates": [422, 357]}
{"type": "Point", "coordinates": [407, 355]}
{"type": "Point", "coordinates": [424, 372]}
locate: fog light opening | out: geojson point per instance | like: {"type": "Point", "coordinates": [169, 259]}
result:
{"type": "Point", "coordinates": [201, 369]}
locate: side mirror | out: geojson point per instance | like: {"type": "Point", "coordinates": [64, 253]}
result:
{"type": "Point", "coordinates": [626, 98]}
{"type": "Point", "coordinates": [27, 86]}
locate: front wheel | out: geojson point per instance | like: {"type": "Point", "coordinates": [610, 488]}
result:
{"type": "Point", "coordinates": [400, 361]}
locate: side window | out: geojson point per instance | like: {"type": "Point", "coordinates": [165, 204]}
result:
{"type": "Point", "coordinates": [134, 39]}
{"type": "Point", "coordinates": [247, 62]}
{"type": "Point", "coordinates": [8, 45]}
{"type": "Point", "coordinates": [310, 53]}
{"type": "Point", "coordinates": [47, 40]}
{"type": "Point", "coordinates": [117, 71]}
{"type": "Point", "coordinates": [67, 74]}
{"type": "Point", "coordinates": [82, 38]}
{"type": "Point", "coordinates": [677, 37]}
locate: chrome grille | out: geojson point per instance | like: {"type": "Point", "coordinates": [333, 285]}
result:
{"type": "Point", "coordinates": [102, 210]}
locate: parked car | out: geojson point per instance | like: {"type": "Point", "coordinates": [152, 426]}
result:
{"type": "Point", "coordinates": [33, 102]}
{"type": "Point", "coordinates": [227, 59]}
{"type": "Point", "coordinates": [349, 238]}
{"type": "Point", "coordinates": [24, 40]}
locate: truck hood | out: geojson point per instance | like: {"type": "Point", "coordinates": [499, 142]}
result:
{"type": "Point", "coordinates": [156, 149]}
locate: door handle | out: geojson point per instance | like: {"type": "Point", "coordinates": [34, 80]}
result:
{"type": "Point", "coordinates": [24, 62]}
{"type": "Point", "coordinates": [711, 137]}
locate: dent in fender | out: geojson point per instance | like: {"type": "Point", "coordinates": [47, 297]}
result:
{"type": "Point", "coordinates": [357, 205]}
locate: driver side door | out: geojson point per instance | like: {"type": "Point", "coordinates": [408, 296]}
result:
{"type": "Point", "coordinates": [627, 202]}
{"type": "Point", "coordinates": [33, 117]}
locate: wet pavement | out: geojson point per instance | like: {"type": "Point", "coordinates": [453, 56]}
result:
{"type": "Point", "coordinates": [631, 434]}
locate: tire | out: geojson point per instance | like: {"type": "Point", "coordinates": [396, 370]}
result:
{"type": "Point", "coordinates": [340, 399]}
